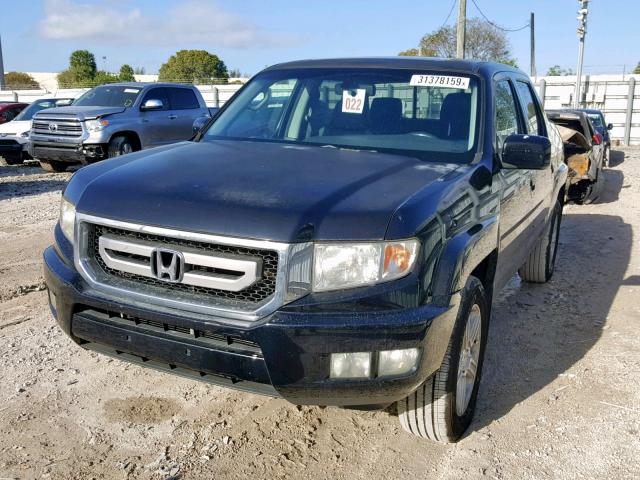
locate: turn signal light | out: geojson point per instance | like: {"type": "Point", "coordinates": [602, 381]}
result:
{"type": "Point", "coordinates": [398, 258]}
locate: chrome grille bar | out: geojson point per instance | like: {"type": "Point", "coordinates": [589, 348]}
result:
{"type": "Point", "coordinates": [134, 257]}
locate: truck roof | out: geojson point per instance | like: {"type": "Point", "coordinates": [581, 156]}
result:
{"type": "Point", "coordinates": [408, 63]}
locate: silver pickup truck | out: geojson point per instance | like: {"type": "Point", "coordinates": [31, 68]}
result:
{"type": "Point", "coordinates": [115, 119]}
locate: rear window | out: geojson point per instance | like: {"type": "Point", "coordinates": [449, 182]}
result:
{"type": "Point", "coordinates": [597, 120]}
{"type": "Point", "coordinates": [183, 99]}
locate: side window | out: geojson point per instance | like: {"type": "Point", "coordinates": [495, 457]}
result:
{"type": "Point", "coordinates": [506, 115]}
{"type": "Point", "coordinates": [263, 114]}
{"type": "Point", "coordinates": [529, 108]}
{"type": "Point", "coordinates": [158, 94]}
{"type": "Point", "coordinates": [183, 99]}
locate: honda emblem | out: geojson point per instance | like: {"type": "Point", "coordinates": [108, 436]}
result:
{"type": "Point", "coordinates": [167, 265]}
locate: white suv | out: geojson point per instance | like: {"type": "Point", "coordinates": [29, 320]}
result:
{"type": "Point", "coordinates": [14, 135]}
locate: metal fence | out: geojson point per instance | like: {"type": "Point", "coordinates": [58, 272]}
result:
{"type": "Point", "coordinates": [616, 96]}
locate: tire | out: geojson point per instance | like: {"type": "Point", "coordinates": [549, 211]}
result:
{"type": "Point", "coordinates": [542, 259]}
{"type": "Point", "coordinates": [438, 409]}
{"type": "Point", "coordinates": [10, 161]}
{"type": "Point", "coordinates": [119, 145]}
{"type": "Point", "coordinates": [53, 166]}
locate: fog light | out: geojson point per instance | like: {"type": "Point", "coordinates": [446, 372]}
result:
{"type": "Point", "coordinates": [397, 362]}
{"type": "Point", "coordinates": [351, 365]}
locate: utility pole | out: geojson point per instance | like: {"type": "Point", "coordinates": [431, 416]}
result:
{"type": "Point", "coordinates": [532, 25]}
{"type": "Point", "coordinates": [1, 68]}
{"type": "Point", "coordinates": [462, 29]}
{"type": "Point", "coordinates": [582, 32]}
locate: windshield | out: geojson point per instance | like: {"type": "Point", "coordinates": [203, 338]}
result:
{"type": "Point", "coordinates": [430, 115]}
{"type": "Point", "coordinates": [596, 119]}
{"type": "Point", "coordinates": [109, 96]}
{"type": "Point", "coordinates": [35, 107]}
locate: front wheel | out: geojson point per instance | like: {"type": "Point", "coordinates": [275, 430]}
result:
{"type": "Point", "coordinates": [442, 408]}
{"type": "Point", "coordinates": [541, 263]}
{"type": "Point", "coordinates": [119, 145]}
{"type": "Point", "coordinates": [11, 161]}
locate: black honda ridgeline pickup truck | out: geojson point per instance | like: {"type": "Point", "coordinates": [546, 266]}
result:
{"type": "Point", "coordinates": [334, 236]}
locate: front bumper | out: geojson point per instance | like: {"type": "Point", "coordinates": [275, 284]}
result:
{"type": "Point", "coordinates": [285, 354]}
{"type": "Point", "coordinates": [12, 150]}
{"type": "Point", "coordinates": [69, 149]}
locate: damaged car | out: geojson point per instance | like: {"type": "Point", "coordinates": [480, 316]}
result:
{"type": "Point", "coordinates": [584, 153]}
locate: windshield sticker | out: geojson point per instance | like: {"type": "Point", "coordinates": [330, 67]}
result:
{"type": "Point", "coordinates": [353, 103]}
{"type": "Point", "coordinates": [131, 90]}
{"type": "Point", "coordinates": [439, 81]}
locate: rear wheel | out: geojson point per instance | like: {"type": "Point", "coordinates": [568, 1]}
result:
{"type": "Point", "coordinates": [542, 259]}
{"type": "Point", "coordinates": [11, 161]}
{"type": "Point", "coordinates": [53, 165]}
{"type": "Point", "coordinates": [442, 408]}
{"type": "Point", "coordinates": [119, 145]}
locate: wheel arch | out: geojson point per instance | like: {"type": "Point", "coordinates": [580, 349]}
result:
{"type": "Point", "coordinates": [131, 135]}
{"type": "Point", "coordinates": [471, 252]}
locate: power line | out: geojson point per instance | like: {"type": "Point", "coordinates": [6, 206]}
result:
{"type": "Point", "coordinates": [496, 25]}
{"type": "Point", "coordinates": [453, 5]}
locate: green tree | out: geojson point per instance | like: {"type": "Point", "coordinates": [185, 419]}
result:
{"type": "Point", "coordinates": [101, 77]}
{"type": "Point", "coordinates": [20, 81]}
{"type": "Point", "coordinates": [637, 69]}
{"type": "Point", "coordinates": [83, 64]}
{"type": "Point", "coordinates": [411, 52]}
{"type": "Point", "coordinates": [81, 72]}
{"type": "Point", "coordinates": [139, 71]}
{"type": "Point", "coordinates": [558, 71]}
{"type": "Point", "coordinates": [483, 42]}
{"type": "Point", "coordinates": [194, 66]}
{"type": "Point", "coordinates": [126, 73]}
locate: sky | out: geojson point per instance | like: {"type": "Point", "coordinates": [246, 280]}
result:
{"type": "Point", "coordinates": [39, 35]}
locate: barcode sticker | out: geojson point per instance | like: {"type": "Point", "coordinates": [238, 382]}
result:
{"type": "Point", "coordinates": [353, 103]}
{"type": "Point", "coordinates": [440, 81]}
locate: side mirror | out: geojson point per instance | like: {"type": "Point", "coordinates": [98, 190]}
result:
{"type": "Point", "coordinates": [152, 104]}
{"type": "Point", "coordinates": [199, 123]}
{"type": "Point", "coordinates": [610, 126]}
{"type": "Point", "coordinates": [529, 152]}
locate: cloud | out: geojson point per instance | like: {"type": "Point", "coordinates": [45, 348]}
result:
{"type": "Point", "coordinates": [187, 22]}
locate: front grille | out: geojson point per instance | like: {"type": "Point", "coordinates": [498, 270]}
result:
{"type": "Point", "coordinates": [8, 143]}
{"type": "Point", "coordinates": [246, 298]}
{"type": "Point", "coordinates": [59, 127]}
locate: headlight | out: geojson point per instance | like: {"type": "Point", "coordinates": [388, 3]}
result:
{"type": "Point", "coordinates": [67, 218]}
{"type": "Point", "coordinates": [96, 125]}
{"type": "Point", "coordinates": [346, 265]}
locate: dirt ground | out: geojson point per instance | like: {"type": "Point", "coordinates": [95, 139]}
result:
{"type": "Point", "coordinates": [560, 395]}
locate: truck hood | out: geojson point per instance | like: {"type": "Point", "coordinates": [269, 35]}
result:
{"type": "Point", "coordinates": [83, 113]}
{"type": "Point", "coordinates": [259, 190]}
{"type": "Point", "coordinates": [14, 127]}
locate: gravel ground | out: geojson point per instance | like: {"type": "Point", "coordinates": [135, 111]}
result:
{"type": "Point", "coordinates": [560, 395]}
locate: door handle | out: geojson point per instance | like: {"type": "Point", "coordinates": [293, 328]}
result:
{"type": "Point", "coordinates": [172, 117]}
